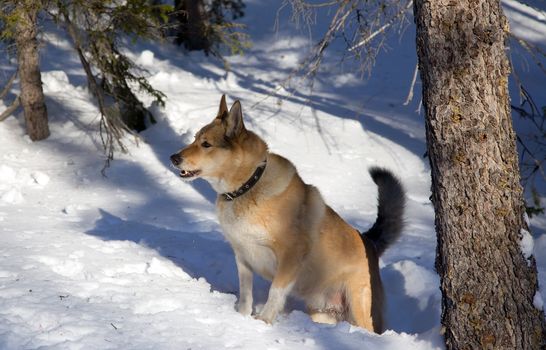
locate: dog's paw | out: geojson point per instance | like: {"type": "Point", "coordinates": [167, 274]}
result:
{"type": "Point", "coordinates": [267, 314]}
{"type": "Point", "coordinates": [244, 309]}
{"type": "Point", "coordinates": [263, 318]}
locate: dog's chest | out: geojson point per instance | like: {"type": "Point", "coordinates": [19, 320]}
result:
{"type": "Point", "coordinates": [250, 242]}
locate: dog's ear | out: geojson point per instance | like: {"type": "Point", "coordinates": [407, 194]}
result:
{"type": "Point", "coordinates": [234, 121]}
{"type": "Point", "coordinates": [223, 111]}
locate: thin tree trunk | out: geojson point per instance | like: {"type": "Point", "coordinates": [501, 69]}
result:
{"type": "Point", "coordinates": [193, 27]}
{"type": "Point", "coordinates": [197, 39]}
{"type": "Point", "coordinates": [487, 284]}
{"type": "Point", "coordinates": [32, 95]}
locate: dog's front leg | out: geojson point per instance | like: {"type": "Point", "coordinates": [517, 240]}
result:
{"type": "Point", "coordinates": [244, 305]}
{"type": "Point", "coordinates": [282, 285]}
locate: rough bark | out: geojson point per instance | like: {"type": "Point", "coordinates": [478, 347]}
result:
{"type": "Point", "coordinates": [487, 284]}
{"type": "Point", "coordinates": [32, 95]}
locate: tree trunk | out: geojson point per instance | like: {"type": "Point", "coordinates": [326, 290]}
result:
{"type": "Point", "coordinates": [193, 25]}
{"type": "Point", "coordinates": [487, 284]}
{"type": "Point", "coordinates": [32, 95]}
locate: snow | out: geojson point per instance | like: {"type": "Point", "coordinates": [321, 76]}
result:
{"type": "Point", "coordinates": [525, 21]}
{"type": "Point", "coordinates": [55, 81]}
{"type": "Point", "coordinates": [146, 58]}
{"type": "Point", "coordinates": [537, 301]}
{"type": "Point", "coordinates": [136, 259]}
{"type": "Point", "coordinates": [12, 196]}
{"type": "Point", "coordinates": [40, 178]}
{"type": "Point", "coordinates": [526, 244]}
{"type": "Point", "coordinates": [7, 173]}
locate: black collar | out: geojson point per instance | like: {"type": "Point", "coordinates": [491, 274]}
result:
{"type": "Point", "coordinates": [229, 196]}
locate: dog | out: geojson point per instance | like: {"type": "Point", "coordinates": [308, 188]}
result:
{"type": "Point", "coordinates": [280, 227]}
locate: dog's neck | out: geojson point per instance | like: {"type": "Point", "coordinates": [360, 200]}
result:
{"type": "Point", "coordinates": [218, 184]}
{"type": "Point", "coordinates": [247, 186]}
{"type": "Point", "coordinates": [234, 181]}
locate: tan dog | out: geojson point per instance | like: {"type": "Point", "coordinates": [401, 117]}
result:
{"type": "Point", "coordinates": [280, 227]}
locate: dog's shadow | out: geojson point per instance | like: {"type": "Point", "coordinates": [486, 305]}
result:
{"type": "Point", "coordinates": [205, 255]}
{"type": "Point", "coordinates": [208, 255]}
{"type": "Point", "coordinates": [407, 313]}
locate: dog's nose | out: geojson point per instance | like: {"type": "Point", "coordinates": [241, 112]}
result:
{"type": "Point", "coordinates": [176, 159]}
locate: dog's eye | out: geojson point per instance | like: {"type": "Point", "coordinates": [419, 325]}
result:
{"type": "Point", "coordinates": [206, 145]}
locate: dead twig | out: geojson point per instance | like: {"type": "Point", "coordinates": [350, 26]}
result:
{"type": "Point", "coordinates": [7, 88]}
{"type": "Point", "coordinates": [412, 86]}
{"type": "Point", "coordinates": [9, 111]}
{"type": "Point", "coordinates": [533, 50]}
{"type": "Point", "coordinates": [384, 27]}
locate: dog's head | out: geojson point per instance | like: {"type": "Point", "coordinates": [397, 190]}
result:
{"type": "Point", "coordinates": [220, 147]}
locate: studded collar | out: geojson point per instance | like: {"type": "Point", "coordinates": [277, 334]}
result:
{"type": "Point", "coordinates": [229, 196]}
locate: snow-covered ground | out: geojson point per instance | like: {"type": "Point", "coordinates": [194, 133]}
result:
{"type": "Point", "coordinates": [136, 260]}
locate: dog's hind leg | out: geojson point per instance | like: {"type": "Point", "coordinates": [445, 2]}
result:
{"type": "Point", "coordinates": [328, 306]}
{"type": "Point", "coordinates": [359, 297]}
{"type": "Point", "coordinates": [244, 305]}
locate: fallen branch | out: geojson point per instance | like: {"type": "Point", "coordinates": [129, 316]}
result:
{"type": "Point", "coordinates": [7, 88]}
{"type": "Point", "coordinates": [14, 105]}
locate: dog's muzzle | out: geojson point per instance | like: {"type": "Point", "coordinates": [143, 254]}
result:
{"type": "Point", "coordinates": [176, 159]}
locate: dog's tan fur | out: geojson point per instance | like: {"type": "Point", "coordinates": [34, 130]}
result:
{"type": "Point", "coordinates": [283, 230]}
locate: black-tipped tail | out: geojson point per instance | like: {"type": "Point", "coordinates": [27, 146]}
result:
{"type": "Point", "coordinates": [390, 210]}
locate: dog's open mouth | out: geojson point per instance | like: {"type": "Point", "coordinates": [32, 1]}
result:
{"type": "Point", "coordinates": [186, 174]}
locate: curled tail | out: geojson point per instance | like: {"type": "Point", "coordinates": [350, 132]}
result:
{"type": "Point", "coordinates": [390, 210]}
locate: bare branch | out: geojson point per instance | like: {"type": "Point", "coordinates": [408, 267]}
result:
{"type": "Point", "coordinates": [361, 24]}
{"type": "Point", "coordinates": [418, 110]}
{"type": "Point", "coordinates": [533, 50]}
{"type": "Point", "coordinates": [14, 105]}
{"type": "Point", "coordinates": [323, 4]}
{"type": "Point", "coordinates": [7, 88]}
{"type": "Point", "coordinates": [337, 22]}
{"type": "Point", "coordinates": [412, 86]}
{"type": "Point", "coordinates": [383, 27]}
{"type": "Point", "coordinates": [111, 128]}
